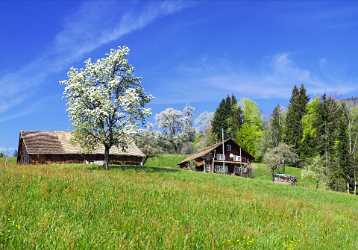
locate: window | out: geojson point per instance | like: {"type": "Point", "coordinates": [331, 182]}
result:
{"type": "Point", "coordinates": [228, 147]}
{"type": "Point", "coordinates": [221, 169]}
{"type": "Point", "coordinates": [220, 157]}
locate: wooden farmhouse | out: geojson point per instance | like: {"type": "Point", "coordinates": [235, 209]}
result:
{"type": "Point", "coordinates": [224, 157]}
{"type": "Point", "coordinates": [40, 147]}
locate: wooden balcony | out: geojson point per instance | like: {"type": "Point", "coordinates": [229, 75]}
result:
{"type": "Point", "coordinates": [231, 162]}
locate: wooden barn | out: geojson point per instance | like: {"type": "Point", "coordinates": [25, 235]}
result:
{"type": "Point", "coordinates": [41, 147]}
{"type": "Point", "coordinates": [224, 157]}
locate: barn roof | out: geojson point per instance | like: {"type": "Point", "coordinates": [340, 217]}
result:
{"type": "Point", "coordinates": [207, 150]}
{"type": "Point", "coordinates": [59, 142]}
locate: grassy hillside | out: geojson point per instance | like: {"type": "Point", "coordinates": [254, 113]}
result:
{"type": "Point", "coordinates": [79, 206]}
{"type": "Point", "coordinates": [164, 160]}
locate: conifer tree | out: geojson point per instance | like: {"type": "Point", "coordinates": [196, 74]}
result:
{"type": "Point", "coordinates": [296, 111]}
{"type": "Point", "coordinates": [276, 126]}
{"type": "Point", "coordinates": [292, 125]}
{"type": "Point", "coordinates": [228, 116]}
{"type": "Point", "coordinates": [343, 157]}
{"type": "Point", "coordinates": [326, 125]}
{"type": "Point", "coordinates": [303, 99]}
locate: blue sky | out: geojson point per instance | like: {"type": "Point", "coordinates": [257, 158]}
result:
{"type": "Point", "coordinates": [187, 53]}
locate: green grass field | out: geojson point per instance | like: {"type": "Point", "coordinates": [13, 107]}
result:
{"type": "Point", "coordinates": [162, 207]}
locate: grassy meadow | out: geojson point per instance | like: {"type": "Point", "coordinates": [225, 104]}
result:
{"type": "Point", "coordinates": [159, 206]}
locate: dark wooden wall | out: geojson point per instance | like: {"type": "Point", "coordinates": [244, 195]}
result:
{"type": "Point", "coordinates": [24, 158]}
{"type": "Point", "coordinates": [235, 149]}
{"type": "Point", "coordinates": [77, 158]}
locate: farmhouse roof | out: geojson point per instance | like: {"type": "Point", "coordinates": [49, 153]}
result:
{"type": "Point", "coordinates": [59, 142]}
{"type": "Point", "coordinates": [207, 150]}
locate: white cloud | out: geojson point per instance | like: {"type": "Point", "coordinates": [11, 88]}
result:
{"type": "Point", "coordinates": [272, 79]}
{"type": "Point", "coordinates": [27, 109]}
{"type": "Point", "coordinates": [93, 25]}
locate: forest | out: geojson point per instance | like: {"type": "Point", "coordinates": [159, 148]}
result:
{"type": "Point", "coordinates": [318, 134]}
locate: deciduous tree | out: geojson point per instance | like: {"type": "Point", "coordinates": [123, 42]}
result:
{"type": "Point", "coordinates": [251, 131]}
{"type": "Point", "coordinates": [276, 158]}
{"type": "Point", "coordinates": [177, 126]}
{"type": "Point", "coordinates": [105, 102]}
{"type": "Point", "coordinates": [308, 145]}
{"type": "Point", "coordinates": [315, 169]}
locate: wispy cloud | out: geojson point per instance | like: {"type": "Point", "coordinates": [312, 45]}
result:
{"type": "Point", "coordinates": [94, 24]}
{"type": "Point", "coordinates": [27, 109]}
{"type": "Point", "coordinates": [274, 77]}
{"type": "Point", "coordinates": [276, 80]}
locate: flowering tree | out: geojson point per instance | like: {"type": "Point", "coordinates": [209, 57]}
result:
{"type": "Point", "coordinates": [149, 141]}
{"type": "Point", "coordinates": [187, 120]}
{"type": "Point", "coordinates": [106, 102]}
{"type": "Point", "coordinates": [203, 121]}
{"type": "Point", "coordinates": [276, 158]}
{"type": "Point", "coordinates": [176, 126]}
{"type": "Point", "coordinates": [316, 170]}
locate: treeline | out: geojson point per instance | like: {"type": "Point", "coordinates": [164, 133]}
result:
{"type": "Point", "coordinates": [323, 133]}
{"type": "Point", "coordinates": [175, 131]}
{"type": "Point", "coordinates": [241, 121]}
{"type": "Point", "coordinates": [318, 134]}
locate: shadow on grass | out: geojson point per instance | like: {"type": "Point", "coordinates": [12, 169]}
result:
{"type": "Point", "coordinates": [135, 168]}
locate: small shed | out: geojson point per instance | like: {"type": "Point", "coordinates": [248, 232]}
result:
{"type": "Point", "coordinates": [41, 147]}
{"type": "Point", "coordinates": [284, 179]}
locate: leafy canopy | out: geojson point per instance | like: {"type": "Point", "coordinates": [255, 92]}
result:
{"type": "Point", "coordinates": [106, 101]}
{"type": "Point", "coordinates": [251, 131]}
{"type": "Point", "coordinates": [276, 158]}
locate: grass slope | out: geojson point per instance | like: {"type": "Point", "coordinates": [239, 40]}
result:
{"type": "Point", "coordinates": [78, 206]}
{"type": "Point", "coordinates": [164, 160]}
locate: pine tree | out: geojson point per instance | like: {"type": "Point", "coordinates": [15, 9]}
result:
{"type": "Point", "coordinates": [326, 125]}
{"type": "Point", "coordinates": [219, 120]}
{"type": "Point", "coordinates": [228, 116]}
{"type": "Point", "coordinates": [327, 117]}
{"type": "Point", "coordinates": [291, 119]}
{"type": "Point", "coordinates": [276, 126]}
{"type": "Point", "coordinates": [344, 167]}
{"type": "Point", "coordinates": [235, 118]}
{"type": "Point", "coordinates": [296, 111]}
{"type": "Point", "coordinates": [303, 99]}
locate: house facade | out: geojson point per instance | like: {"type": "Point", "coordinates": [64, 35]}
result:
{"type": "Point", "coordinates": [41, 147]}
{"type": "Point", "coordinates": [224, 157]}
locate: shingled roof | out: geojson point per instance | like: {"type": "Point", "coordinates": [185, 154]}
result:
{"type": "Point", "coordinates": [59, 142]}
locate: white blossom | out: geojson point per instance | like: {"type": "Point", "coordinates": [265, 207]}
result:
{"type": "Point", "coordinates": [106, 101]}
{"type": "Point", "coordinates": [176, 125]}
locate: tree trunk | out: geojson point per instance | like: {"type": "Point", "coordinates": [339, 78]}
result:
{"type": "Point", "coordinates": [106, 157]}
{"type": "Point", "coordinates": [355, 181]}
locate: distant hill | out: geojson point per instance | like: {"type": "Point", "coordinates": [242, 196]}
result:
{"type": "Point", "coordinates": [352, 100]}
